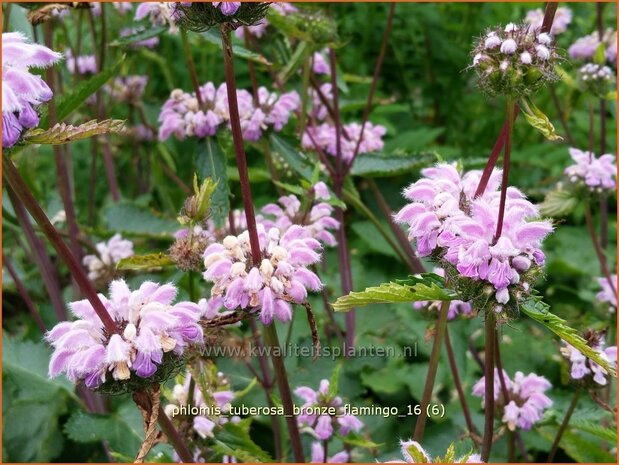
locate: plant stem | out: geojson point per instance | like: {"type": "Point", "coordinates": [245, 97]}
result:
{"type": "Point", "coordinates": [336, 117]}
{"type": "Point", "coordinates": [345, 276]}
{"type": "Point", "coordinates": [237, 137]}
{"type": "Point", "coordinates": [456, 377]}
{"type": "Point", "coordinates": [175, 439]}
{"type": "Point", "coordinates": [64, 181]}
{"type": "Point", "coordinates": [598, 248]}
{"type": "Point", "coordinates": [412, 260]}
{"type": "Point", "coordinates": [23, 292]}
{"type": "Point", "coordinates": [549, 16]}
{"type": "Point", "coordinates": [435, 356]}
{"type": "Point", "coordinates": [494, 157]}
{"type": "Point", "coordinates": [192, 68]}
{"type": "Point", "coordinates": [50, 279]}
{"type": "Point", "coordinates": [377, 68]}
{"type": "Point", "coordinates": [490, 325]}
{"type": "Point", "coordinates": [267, 385]}
{"type": "Point", "coordinates": [12, 177]}
{"type": "Point", "coordinates": [506, 160]}
{"type": "Point", "coordinates": [564, 423]}
{"type": "Point", "coordinates": [272, 341]}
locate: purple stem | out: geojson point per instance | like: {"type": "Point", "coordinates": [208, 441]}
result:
{"type": "Point", "coordinates": [490, 325]}
{"type": "Point", "coordinates": [13, 178]}
{"type": "Point", "coordinates": [23, 292]}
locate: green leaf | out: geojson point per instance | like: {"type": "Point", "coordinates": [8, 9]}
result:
{"type": "Point", "coordinates": [25, 364]}
{"type": "Point", "coordinates": [298, 161]}
{"type": "Point", "coordinates": [599, 57]}
{"type": "Point", "coordinates": [256, 175]}
{"type": "Point", "coordinates": [416, 453]}
{"type": "Point", "coordinates": [138, 36]}
{"type": "Point", "coordinates": [149, 262]}
{"type": "Point", "coordinates": [427, 287]}
{"type": "Point", "coordinates": [133, 219]}
{"type": "Point", "coordinates": [296, 61]}
{"type": "Point", "coordinates": [334, 381]}
{"type": "Point", "coordinates": [72, 100]}
{"type": "Point", "coordinates": [213, 37]}
{"type": "Point", "coordinates": [235, 441]}
{"type": "Point", "coordinates": [596, 429]}
{"type": "Point", "coordinates": [376, 165]}
{"type": "Point", "coordinates": [85, 427]}
{"type": "Point", "coordinates": [63, 133]}
{"type": "Point", "coordinates": [211, 162]}
{"type": "Point", "coordinates": [539, 311]}
{"type": "Point", "coordinates": [356, 440]}
{"type": "Point", "coordinates": [558, 203]}
{"type": "Point", "coordinates": [536, 118]}
{"type": "Point", "coordinates": [414, 140]}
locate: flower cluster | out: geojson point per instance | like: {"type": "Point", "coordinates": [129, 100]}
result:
{"type": "Point", "coordinates": [259, 29]}
{"type": "Point", "coordinates": [320, 425]}
{"type": "Point", "coordinates": [182, 115]}
{"type": "Point", "coordinates": [515, 60]}
{"type": "Point", "coordinates": [270, 287]}
{"type": "Point", "coordinates": [458, 231]}
{"type": "Point", "coordinates": [102, 266]}
{"type": "Point", "coordinates": [597, 79]}
{"type": "Point", "coordinates": [414, 453]}
{"type": "Point", "coordinates": [597, 174]}
{"type": "Point", "coordinates": [585, 369]}
{"type": "Point", "coordinates": [203, 424]}
{"type": "Point", "coordinates": [316, 218]}
{"type": "Point", "coordinates": [83, 64]}
{"type": "Point", "coordinates": [608, 294]}
{"type": "Point", "coordinates": [128, 89]}
{"type": "Point", "coordinates": [585, 47]}
{"type": "Point", "coordinates": [562, 19]}
{"type": "Point", "coordinates": [22, 91]}
{"type": "Point", "coordinates": [526, 401]}
{"type": "Point", "coordinates": [158, 14]}
{"type": "Point", "coordinates": [269, 109]}
{"type": "Point", "coordinates": [456, 307]}
{"type": "Point", "coordinates": [318, 455]}
{"type": "Point", "coordinates": [324, 136]}
{"type": "Point", "coordinates": [121, 8]}
{"type": "Point", "coordinates": [150, 327]}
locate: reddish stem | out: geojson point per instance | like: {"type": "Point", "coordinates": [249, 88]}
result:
{"type": "Point", "coordinates": [12, 177]}
{"type": "Point", "coordinates": [23, 292]}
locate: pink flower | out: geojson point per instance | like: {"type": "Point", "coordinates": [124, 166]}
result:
{"type": "Point", "coordinates": [228, 8]}
{"type": "Point", "coordinates": [158, 14]}
{"type": "Point", "coordinates": [583, 368]}
{"type": "Point", "coordinates": [607, 294]}
{"type": "Point", "coordinates": [22, 91]}
{"type": "Point", "coordinates": [318, 455]}
{"type": "Point", "coordinates": [320, 425]}
{"type": "Point", "coordinates": [150, 326]}
{"type": "Point", "coordinates": [271, 110]}
{"type": "Point", "coordinates": [596, 173]}
{"type": "Point", "coordinates": [446, 221]}
{"type": "Point", "coordinates": [108, 255]}
{"type": "Point", "coordinates": [282, 278]}
{"type": "Point", "coordinates": [128, 88]}
{"type": "Point", "coordinates": [563, 17]}
{"type": "Point", "coordinates": [527, 401]}
{"type": "Point", "coordinates": [325, 137]}
{"type": "Point", "coordinates": [317, 219]}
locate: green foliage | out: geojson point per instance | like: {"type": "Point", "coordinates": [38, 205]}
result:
{"type": "Point", "coordinates": [211, 163]}
{"type": "Point", "coordinates": [389, 164]}
{"type": "Point", "coordinates": [234, 440]}
{"type": "Point", "coordinates": [536, 118]}
{"type": "Point", "coordinates": [428, 287]}
{"type": "Point", "coordinates": [138, 36]}
{"type": "Point", "coordinates": [150, 262]}
{"type": "Point", "coordinates": [63, 133]}
{"type": "Point", "coordinates": [536, 309]}
{"type": "Point", "coordinates": [130, 218]}
{"type": "Point", "coordinates": [558, 203]}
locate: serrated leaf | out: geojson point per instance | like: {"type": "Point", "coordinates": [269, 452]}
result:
{"type": "Point", "coordinates": [558, 203]}
{"type": "Point", "coordinates": [63, 133]}
{"type": "Point", "coordinates": [596, 429]}
{"type": "Point", "coordinates": [71, 100]}
{"type": "Point", "coordinates": [356, 440]}
{"type": "Point", "coordinates": [536, 118]}
{"type": "Point", "coordinates": [234, 441]}
{"type": "Point", "coordinates": [427, 287]}
{"type": "Point", "coordinates": [377, 165]}
{"type": "Point", "coordinates": [539, 311]}
{"type": "Point", "coordinates": [144, 262]}
{"type": "Point", "coordinates": [85, 427]}
{"type": "Point", "coordinates": [139, 36]}
{"type": "Point", "coordinates": [298, 161]}
{"type": "Point", "coordinates": [211, 163]}
{"type": "Point", "coordinates": [213, 37]}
